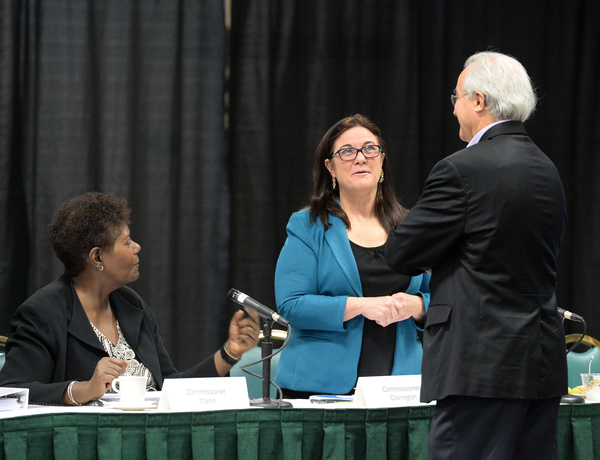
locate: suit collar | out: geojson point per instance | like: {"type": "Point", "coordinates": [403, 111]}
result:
{"type": "Point", "coordinates": [130, 316]}
{"type": "Point", "coordinates": [510, 127]}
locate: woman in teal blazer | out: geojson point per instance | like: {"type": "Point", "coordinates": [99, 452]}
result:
{"type": "Point", "coordinates": [331, 258]}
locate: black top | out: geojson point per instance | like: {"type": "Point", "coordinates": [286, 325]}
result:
{"type": "Point", "coordinates": [377, 279]}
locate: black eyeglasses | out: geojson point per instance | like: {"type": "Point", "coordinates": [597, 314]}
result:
{"type": "Point", "coordinates": [350, 153]}
{"type": "Point", "coordinates": [454, 97]}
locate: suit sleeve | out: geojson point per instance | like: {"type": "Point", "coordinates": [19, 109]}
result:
{"type": "Point", "coordinates": [424, 289]}
{"type": "Point", "coordinates": [32, 352]}
{"type": "Point", "coordinates": [433, 226]}
{"type": "Point", "coordinates": [205, 368]}
{"type": "Point", "coordinates": [298, 287]}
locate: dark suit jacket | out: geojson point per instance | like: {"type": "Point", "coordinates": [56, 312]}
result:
{"type": "Point", "coordinates": [489, 223]}
{"type": "Point", "coordinates": [53, 343]}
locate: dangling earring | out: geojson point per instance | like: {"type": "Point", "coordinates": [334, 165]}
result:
{"type": "Point", "coordinates": [381, 178]}
{"type": "Point", "coordinates": [334, 182]}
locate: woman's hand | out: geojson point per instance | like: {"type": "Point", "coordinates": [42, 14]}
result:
{"type": "Point", "coordinates": [243, 333]}
{"type": "Point", "coordinates": [379, 309]}
{"type": "Point", "coordinates": [387, 309]}
{"type": "Point", "coordinates": [383, 311]}
{"type": "Point", "coordinates": [106, 371]}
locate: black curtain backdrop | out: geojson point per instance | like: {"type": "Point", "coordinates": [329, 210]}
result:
{"type": "Point", "coordinates": [299, 66]}
{"type": "Point", "coordinates": [127, 97]}
{"type": "Point", "coordinates": [124, 97]}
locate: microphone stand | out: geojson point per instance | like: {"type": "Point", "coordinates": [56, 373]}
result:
{"type": "Point", "coordinates": [266, 348]}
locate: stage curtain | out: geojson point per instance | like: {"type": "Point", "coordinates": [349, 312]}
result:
{"type": "Point", "coordinates": [299, 66]}
{"type": "Point", "coordinates": [122, 97]}
{"type": "Point", "coordinates": [128, 97]}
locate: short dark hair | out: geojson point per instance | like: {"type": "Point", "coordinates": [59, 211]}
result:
{"type": "Point", "coordinates": [324, 198]}
{"type": "Point", "coordinates": [83, 223]}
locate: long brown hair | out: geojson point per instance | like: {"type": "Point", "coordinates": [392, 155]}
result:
{"type": "Point", "coordinates": [324, 198]}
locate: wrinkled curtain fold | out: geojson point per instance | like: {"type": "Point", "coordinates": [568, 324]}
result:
{"type": "Point", "coordinates": [299, 66]}
{"type": "Point", "coordinates": [123, 97]}
{"type": "Point", "coordinates": [128, 97]}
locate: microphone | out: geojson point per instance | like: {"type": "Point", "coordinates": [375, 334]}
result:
{"type": "Point", "coordinates": [253, 305]}
{"type": "Point", "coordinates": [568, 315]}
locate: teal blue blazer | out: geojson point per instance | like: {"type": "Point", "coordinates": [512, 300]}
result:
{"type": "Point", "coordinates": [316, 272]}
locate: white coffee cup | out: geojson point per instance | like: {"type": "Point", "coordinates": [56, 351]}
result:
{"type": "Point", "coordinates": [132, 389]}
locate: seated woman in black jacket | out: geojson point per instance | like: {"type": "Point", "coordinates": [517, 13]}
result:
{"type": "Point", "coordinates": [74, 336]}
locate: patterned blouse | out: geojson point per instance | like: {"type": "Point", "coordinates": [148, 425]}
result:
{"type": "Point", "coordinates": [123, 351]}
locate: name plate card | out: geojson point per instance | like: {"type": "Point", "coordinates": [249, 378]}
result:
{"type": "Point", "coordinates": [199, 394]}
{"type": "Point", "coordinates": [13, 398]}
{"type": "Point", "coordinates": [388, 391]}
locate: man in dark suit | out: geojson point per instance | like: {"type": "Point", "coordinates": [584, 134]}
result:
{"type": "Point", "coordinates": [489, 225]}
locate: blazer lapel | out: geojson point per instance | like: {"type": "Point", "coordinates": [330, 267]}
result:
{"type": "Point", "coordinates": [80, 326]}
{"type": "Point", "coordinates": [337, 239]}
{"type": "Point", "coordinates": [129, 316]}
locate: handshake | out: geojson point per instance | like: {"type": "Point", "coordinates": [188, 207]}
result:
{"type": "Point", "coordinates": [391, 309]}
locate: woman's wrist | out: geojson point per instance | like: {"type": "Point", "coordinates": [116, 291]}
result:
{"type": "Point", "coordinates": [227, 355]}
{"type": "Point", "coordinates": [70, 394]}
{"type": "Point", "coordinates": [356, 306]}
{"type": "Point", "coordinates": [79, 393]}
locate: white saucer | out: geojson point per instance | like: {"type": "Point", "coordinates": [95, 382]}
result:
{"type": "Point", "coordinates": [121, 406]}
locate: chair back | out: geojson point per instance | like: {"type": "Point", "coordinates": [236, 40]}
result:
{"type": "Point", "coordinates": [3, 340]}
{"type": "Point", "coordinates": [254, 383]}
{"type": "Point", "coordinates": [579, 363]}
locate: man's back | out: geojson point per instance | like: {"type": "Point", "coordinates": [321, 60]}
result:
{"type": "Point", "coordinates": [490, 224]}
{"type": "Point", "coordinates": [492, 288]}
{"type": "Point", "coordinates": [493, 216]}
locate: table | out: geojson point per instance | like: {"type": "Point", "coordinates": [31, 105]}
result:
{"type": "Point", "coordinates": [315, 433]}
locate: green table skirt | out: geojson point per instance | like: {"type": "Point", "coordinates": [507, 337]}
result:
{"type": "Point", "coordinates": [395, 433]}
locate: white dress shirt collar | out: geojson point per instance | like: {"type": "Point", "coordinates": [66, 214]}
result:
{"type": "Point", "coordinates": [482, 131]}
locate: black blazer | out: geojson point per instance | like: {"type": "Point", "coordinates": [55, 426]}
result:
{"type": "Point", "coordinates": [489, 223]}
{"type": "Point", "coordinates": [53, 343]}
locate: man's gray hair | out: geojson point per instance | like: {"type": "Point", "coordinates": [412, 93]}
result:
{"type": "Point", "coordinates": [504, 82]}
